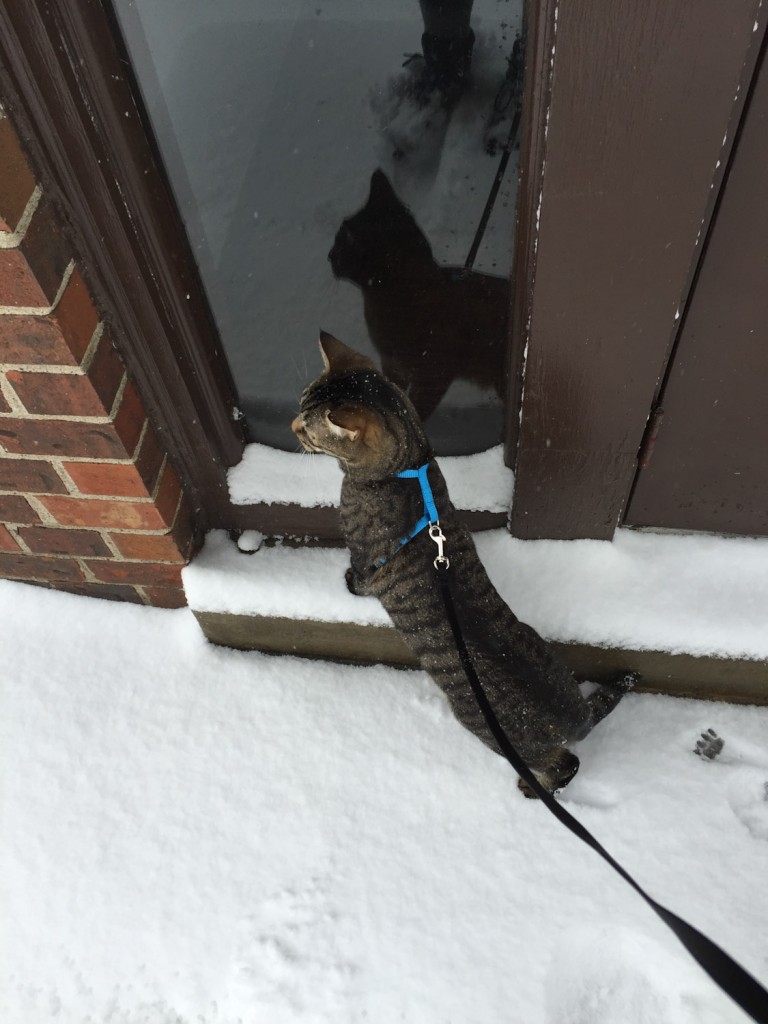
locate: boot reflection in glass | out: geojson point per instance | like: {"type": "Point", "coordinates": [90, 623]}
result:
{"type": "Point", "coordinates": [416, 105]}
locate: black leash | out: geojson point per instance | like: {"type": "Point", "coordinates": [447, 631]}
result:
{"type": "Point", "coordinates": [509, 93]}
{"type": "Point", "coordinates": [745, 990]}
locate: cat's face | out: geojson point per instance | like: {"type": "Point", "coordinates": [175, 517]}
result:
{"type": "Point", "coordinates": [355, 414]}
{"type": "Point", "coordinates": [382, 236]}
{"type": "Point", "coordinates": [348, 432]}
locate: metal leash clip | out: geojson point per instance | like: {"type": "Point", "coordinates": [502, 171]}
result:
{"type": "Point", "coordinates": [438, 537]}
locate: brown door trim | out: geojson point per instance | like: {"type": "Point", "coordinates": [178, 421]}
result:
{"type": "Point", "coordinates": [638, 132]}
{"type": "Point", "coordinates": [706, 470]}
{"type": "Point", "coordinates": [539, 33]}
{"type": "Point", "coordinates": [72, 95]}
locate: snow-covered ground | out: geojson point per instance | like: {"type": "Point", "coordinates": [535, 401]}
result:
{"type": "Point", "coordinates": [192, 834]}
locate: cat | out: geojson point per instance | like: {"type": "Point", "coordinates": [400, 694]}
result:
{"type": "Point", "coordinates": [429, 324]}
{"type": "Point", "coordinates": [354, 413]}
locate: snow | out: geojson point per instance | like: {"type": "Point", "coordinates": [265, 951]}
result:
{"type": "Point", "coordinates": [268, 475]}
{"type": "Point", "coordinates": [698, 594]}
{"type": "Point", "coordinates": [304, 583]}
{"type": "Point", "coordinates": [194, 834]}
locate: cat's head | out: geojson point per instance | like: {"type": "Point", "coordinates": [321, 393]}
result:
{"type": "Point", "coordinates": [355, 414]}
{"type": "Point", "coordinates": [380, 241]}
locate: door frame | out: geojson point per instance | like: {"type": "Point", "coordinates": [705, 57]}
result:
{"type": "Point", "coordinates": [68, 82]}
{"type": "Point", "coordinates": [606, 98]}
{"type": "Point", "coordinates": [70, 89]}
{"type": "Point", "coordinates": [641, 112]}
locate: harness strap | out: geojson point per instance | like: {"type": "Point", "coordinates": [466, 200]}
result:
{"type": "Point", "coordinates": [430, 509]}
{"type": "Point", "coordinates": [430, 517]}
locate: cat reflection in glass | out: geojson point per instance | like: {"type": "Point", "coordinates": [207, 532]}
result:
{"type": "Point", "coordinates": [430, 324]}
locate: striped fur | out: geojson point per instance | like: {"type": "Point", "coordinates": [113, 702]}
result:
{"type": "Point", "coordinates": [353, 413]}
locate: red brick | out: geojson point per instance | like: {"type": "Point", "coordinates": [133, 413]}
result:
{"type": "Point", "coordinates": [33, 340]}
{"type": "Point", "coordinates": [106, 371]}
{"type": "Point", "coordinates": [137, 574]}
{"type": "Point", "coordinates": [7, 540]}
{"type": "Point", "coordinates": [166, 597]}
{"type": "Point", "coordinates": [76, 315]}
{"type": "Point", "coordinates": [46, 248]}
{"type": "Point", "coordinates": [107, 478]}
{"type": "Point", "coordinates": [56, 394]}
{"type": "Point", "coordinates": [101, 590]}
{"type": "Point", "coordinates": [15, 509]}
{"type": "Point", "coordinates": [66, 438]}
{"type": "Point", "coordinates": [16, 179]}
{"type": "Point", "coordinates": [130, 418]}
{"type": "Point", "coordinates": [33, 476]}
{"type": "Point", "coordinates": [105, 514]}
{"type": "Point", "coordinates": [18, 284]}
{"type": "Point", "coordinates": [39, 567]}
{"type": "Point", "coordinates": [50, 540]}
{"type": "Point", "coordinates": [148, 547]}
{"type": "Point", "coordinates": [4, 407]}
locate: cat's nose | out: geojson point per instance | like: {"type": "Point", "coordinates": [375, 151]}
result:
{"type": "Point", "coordinates": [298, 424]}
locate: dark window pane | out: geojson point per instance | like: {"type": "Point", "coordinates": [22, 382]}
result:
{"type": "Point", "coordinates": [359, 131]}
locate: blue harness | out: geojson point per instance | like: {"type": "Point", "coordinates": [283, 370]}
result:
{"type": "Point", "coordinates": [429, 519]}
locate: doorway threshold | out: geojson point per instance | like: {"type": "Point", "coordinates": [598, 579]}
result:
{"type": "Point", "coordinates": [297, 494]}
{"type": "Point", "coordinates": [686, 611]}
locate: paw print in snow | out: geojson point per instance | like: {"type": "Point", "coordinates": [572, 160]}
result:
{"type": "Point", "coordinates": [709, 745]}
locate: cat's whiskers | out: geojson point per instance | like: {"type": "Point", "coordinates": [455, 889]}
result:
{"type": "Point", "coordinates": [312, 470]}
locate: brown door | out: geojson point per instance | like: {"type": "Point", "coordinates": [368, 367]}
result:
{"type": "Point", "coordinates": [708, 468]}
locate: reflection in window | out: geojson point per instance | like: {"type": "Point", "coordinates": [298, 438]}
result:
{"type": "Point", "coordinates": [332, 162]}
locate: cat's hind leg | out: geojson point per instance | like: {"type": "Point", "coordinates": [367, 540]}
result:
{"type": "Point", "coordinates": [553, 772]}
{"type": "Point", "coordinates": [608, 694]}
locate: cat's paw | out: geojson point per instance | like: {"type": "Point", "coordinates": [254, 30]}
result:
{"type": "Point", "coordinates": [625, 681]}
{"type": "Point", "coordinates": [526, 790]}
{"type": "Point", "coordinates": [709, 745]}
{"type": "Point", "coordinates": [354, 584]}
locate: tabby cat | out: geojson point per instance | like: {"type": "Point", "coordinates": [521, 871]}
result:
{"type": "Point", "coordinates": [429, 324]}
{"type": "Point", "coordinates": [355, 414]}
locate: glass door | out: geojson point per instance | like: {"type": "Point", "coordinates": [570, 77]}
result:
{"type": "Point", "coordinates": [333, 162]}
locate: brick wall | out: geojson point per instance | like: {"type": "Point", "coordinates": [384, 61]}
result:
{"type": "Point", "coordinates": [89, 502]}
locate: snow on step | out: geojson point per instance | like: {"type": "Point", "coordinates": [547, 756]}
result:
{"type": "Point", "coordinates": [682, 593]}
{"type": "Point", "coordinates": [298, 478]}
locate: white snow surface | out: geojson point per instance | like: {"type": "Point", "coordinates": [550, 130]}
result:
{"type": "Point", "coordinates": [479, 481]}
{"type": "Point", "coordinates": [194, 835]}
{"type": "Point", "coordinates": [684, 593]}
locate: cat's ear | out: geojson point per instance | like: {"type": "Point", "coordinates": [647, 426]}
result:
{"type": "Point", "coordinates": [355, 423]}
{"type": "Point", "coordinates": [381, 187]}
{"type": "Point", "coordinates": [338, 357]}
{"type": "Point", "coordinates": [344, 423]}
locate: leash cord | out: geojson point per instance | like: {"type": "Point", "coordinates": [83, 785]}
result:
{"type": "Point", "coordinates": [732, 978]}
{"type": "Point", "coordinates": [512, 84]}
